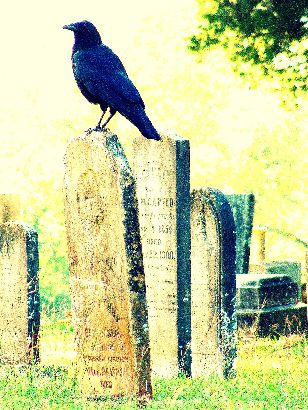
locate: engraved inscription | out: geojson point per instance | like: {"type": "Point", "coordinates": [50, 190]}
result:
{"type": "Point", "coordinates": [155, 171]}
{"type": "Point", "coordinates": [102, 306]}
{"type": "Point", "coordinates": [162, 202]}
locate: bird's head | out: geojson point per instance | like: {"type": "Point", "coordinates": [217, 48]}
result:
{"type": "Point", "coordinates": [86, 34]}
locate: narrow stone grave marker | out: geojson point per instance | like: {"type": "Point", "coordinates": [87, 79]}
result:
{"type": "Point", "coordinates": [162, 170]}
{"type": "Point", "coordinates": [9, 207]}
{"type": "Point", "coordinates": [242, 206]}
{"type": "Point", "coordinates": [19, 294]}
{"type": "Point", "coordinates": [106, 269]}
{"type": "Point", "coordinates": [213, 288]}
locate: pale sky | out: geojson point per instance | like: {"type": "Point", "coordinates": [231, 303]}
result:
{"type": "Point", "coordinates": [36, 51]}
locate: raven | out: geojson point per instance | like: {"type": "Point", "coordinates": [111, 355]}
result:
{"type": "Point", "coordinates": [102, 79]}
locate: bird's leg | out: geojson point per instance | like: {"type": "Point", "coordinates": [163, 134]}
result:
{"type": "Point", "coordinates": [98, 127]}
{"type": "Point", "coordinates": [112, 111]}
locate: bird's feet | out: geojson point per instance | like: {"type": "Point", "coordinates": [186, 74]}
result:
{"type": "Point", "coordinates": [96, 129]}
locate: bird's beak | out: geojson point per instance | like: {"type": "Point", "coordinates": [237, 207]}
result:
{"type": "Point", "coordinates": [70, 27]}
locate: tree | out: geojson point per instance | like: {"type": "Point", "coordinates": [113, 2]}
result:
{"type": "Point", "coordinates": [268, 33]}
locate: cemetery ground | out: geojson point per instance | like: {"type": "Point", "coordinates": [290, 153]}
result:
{"type": "Point", "coordinates": [271, 374]}
{"type": "Point", "coordinates": [247, 132]}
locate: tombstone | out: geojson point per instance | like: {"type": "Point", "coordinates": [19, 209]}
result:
{"type": "Point", "coordinates": [290, 268]}
{"type": "Point", "coordinates": [106, 269]}
{"type": "Point", "coordinates": [257, 291]}
{"type": "Point", "coordinates": [213, 286]}
{"type": "Point", "coordinates": [162, 170]}
{"type": "Point", "coordinates": [9, 207]}
{"type": "Point", "coordinates": [242, 206]}
{"type": "Point", "coordinates": [268, 303]}
{"type": "Point", "coordinates": [19, 294]}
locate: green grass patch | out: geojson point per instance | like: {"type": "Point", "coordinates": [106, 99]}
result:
{"type": "Point", "coordinates": [271, 374]}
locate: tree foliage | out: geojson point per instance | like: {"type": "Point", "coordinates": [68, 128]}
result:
{"type": "Point", "coordinates": [269, 33]}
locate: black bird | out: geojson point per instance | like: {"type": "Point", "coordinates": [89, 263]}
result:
{"type": "Point", "coordinates": [102, 79]}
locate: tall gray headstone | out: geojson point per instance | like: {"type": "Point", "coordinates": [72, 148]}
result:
{"type": "Point", "coordinates": [19, 294]}
{"type": "Point", "coordinates": [242, 206]}
{"type": "Point", "coordinates": [162, 170]}
{"type": "Point", "coordinates": [213, 284]}
{"type": "Point", "coordinates": [106, 269]}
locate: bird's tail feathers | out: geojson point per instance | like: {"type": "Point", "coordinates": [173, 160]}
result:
{"type": "Point", "coordinates": [143, 123]}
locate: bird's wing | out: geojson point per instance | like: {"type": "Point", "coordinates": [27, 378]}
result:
{"type": "Point", "coordinates": [122, 85]}
{"type": "Point", "coordinates": [104, 76]}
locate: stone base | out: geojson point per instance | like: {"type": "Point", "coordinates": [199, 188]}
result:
{"type": "Point", "coordinates": [258, 291]}
{"type": "Point", "coordinates": [274, 321]}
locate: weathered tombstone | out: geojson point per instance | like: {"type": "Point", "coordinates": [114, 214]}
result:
{"type": "Point", "coordinates": [106, 269]}
{"type": "Point", "coordinates": [162, 170]}
{"type": "Point", "coordinates": [19, 294]}
{"type": "Point", "coordinates": [258, 291]}
{"type": "Point", "coordinates": [9, 207]}
{"type": "Point", "coordinates": [242, 206]}
{"type": "Point", "coordinates": [290, 268]}
{"type": "Point", "coordinates": [213, 285]}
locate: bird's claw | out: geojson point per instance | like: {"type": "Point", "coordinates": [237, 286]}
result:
{"type": "Point", "coordinates": [96, 129]}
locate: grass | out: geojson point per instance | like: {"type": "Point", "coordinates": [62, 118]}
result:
{"type": "Point", "coordinates": [271, 374]}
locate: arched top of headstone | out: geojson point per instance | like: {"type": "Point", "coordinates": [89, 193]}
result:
{"type": "Point", "coordinates": [213, 284]}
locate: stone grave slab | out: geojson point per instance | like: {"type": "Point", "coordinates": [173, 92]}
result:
{"type": "Point", "coordinates": [162, 170]}
{"type": "Point", "coordinates": [213, 289]}
{"type": "Point", "coordinates": [256, 291]}
{"type": "Point", "coordinates": [19, 294]}
{"type": "Point", "coordinates": [274, 321]}
{"type": "Point", "coordinates": [242, 206]}
{"type": "Point", "coordinates": [290, 268]}
{"type": "Point", "coordinates": [268, 303]}
{"type": "Point", "coordinates": [9, 207]}
{"type": "Point", "coordinates": [106, 269]}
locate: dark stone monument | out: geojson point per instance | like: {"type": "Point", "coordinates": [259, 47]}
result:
{"type": "Point", "coordinates": [257, 291]}
{"type": "Point", "coordinates": [106, 269]}
{"type": "Point", "coordinates": [269, 303]}
{"type": "Point", "coordinates": [19, 294]}
{"type": "Point", "coordinates": [213, 287]}
{"type": "Point", "coordinates": [290, 268]}
{"type": "Point", "coordinates": [242, 206]}
{"type": "Point", "coordinates": [162, 170]}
